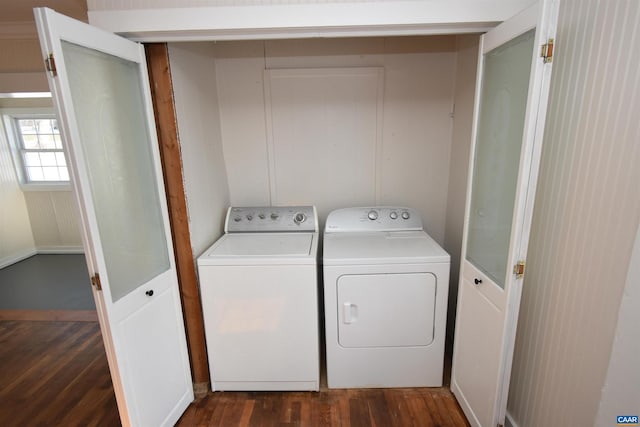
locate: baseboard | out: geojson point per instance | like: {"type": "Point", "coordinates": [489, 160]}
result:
{"type": "Point", "coordinates": [10, 260]}
{"type": "Point", "coordinates": [60, 250]}
{"type": "Point", "coordinates": [50, 315]}
{"type": "Point", "coordinates": [509, 422]}
{"type": "Point", "coordinates": [7, 261]}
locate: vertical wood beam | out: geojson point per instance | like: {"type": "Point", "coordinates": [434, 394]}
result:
{"type": "Point", "coordinates": [166, 125]}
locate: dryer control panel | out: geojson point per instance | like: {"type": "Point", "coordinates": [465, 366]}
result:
{"type": "Point", "coordinates": [376, 218]}
{"type": "Point", "coordinates": [271, 219]}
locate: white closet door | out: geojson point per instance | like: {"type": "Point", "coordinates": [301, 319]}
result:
{"type": "Point", "coordinates": [511, 99]}
{"type": "Point", "coordinates": [101, 92]}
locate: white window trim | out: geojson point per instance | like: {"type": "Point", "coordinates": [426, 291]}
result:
{"type": "Point", "coordinates": [8, 118]}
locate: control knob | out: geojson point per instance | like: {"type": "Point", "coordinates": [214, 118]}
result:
{"type": "Point", "coordinates": [373, 215]}
{"type": "Point", "coordinates": [405, 215]}
{"type": "Point", "coordinates": [393, 215]}
{"type": "Point", "coordinates": [237, 219]}
{"type": "Point", "coordinates": [274, 216]}
{"type": "Point", "coordinates": [299, 218]}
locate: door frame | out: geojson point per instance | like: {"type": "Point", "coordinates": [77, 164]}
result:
{"type": "Point", "coordinates": [167, 136]}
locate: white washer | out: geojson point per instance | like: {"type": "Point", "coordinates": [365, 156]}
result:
{"type": "Point", "coordinates": [385, 288]}
{"type": "Point", "coordinates": [259, 298]}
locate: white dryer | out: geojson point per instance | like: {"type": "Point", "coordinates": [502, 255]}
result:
{"type": "Point", "coordinates": [259, 291]}
{"type": "Point", "coordinates": [386, 283]}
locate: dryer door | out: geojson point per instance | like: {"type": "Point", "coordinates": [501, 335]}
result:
{"type": "Point", "coordinates": [386, 310]}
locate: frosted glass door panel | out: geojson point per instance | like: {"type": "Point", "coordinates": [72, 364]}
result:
{"type": "Point", "coordinates": [503, 102]}
{"type": "Point", "coordinates": [107, 99]}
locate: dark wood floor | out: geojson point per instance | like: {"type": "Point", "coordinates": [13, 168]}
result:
{"type": "Point", "coordinates": [355, 408]}
{"type": "Point", "coordinates": [56, 374]}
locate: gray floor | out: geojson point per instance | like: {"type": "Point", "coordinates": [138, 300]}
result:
{"type": "Point", "coordinates": [46, 282]}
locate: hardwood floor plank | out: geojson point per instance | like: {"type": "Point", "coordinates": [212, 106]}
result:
{"type": "Point", "coordinates": [359, 412]}
{"type": "Point", "coordinates": [247, 410]}
{"type": "Point", "coordinates": [421, 414]}
{"type": "Point", "coordinates": [321, 413]}
{"type": "Point", "coordinates": [434, 411]}
{"type": "Point", "coordinates": [379, 410]}
{"type": "Point", "coordinates": [305, 411]}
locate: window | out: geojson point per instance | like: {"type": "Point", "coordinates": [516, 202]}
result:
{"type": "Point", "coordinates": [38, 151]}
{"type": "Point", "coordinates": [41, 150]}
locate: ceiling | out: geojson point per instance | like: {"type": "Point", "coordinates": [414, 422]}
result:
{"type": "Point", "coordinates": [22, 10]}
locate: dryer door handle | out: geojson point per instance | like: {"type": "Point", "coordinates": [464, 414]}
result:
{"type": "Point", "coordinates": [349, 313]}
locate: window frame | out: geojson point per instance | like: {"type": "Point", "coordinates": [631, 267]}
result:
{"type": "Point", "coordinates": [12, 132]}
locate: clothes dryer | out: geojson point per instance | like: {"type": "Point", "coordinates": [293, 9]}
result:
{"type": "Point", "coordinates": [386, 284]}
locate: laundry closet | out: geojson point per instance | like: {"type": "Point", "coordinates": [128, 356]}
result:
{"type": "Point", "coordinates": [326, 122]}
{"type": "Point", "coordinates": [293, 118]}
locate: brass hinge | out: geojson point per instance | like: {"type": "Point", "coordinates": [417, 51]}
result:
{"type": "Point", "coordinates": [518, 269]}
{"type": "Point", "coordinates": [50, 64]}
{"type": "Point", "coordinates": [95, 281]}
{"type": "Point", "coordinates": [546, 52]}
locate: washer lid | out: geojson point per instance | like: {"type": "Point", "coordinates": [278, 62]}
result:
{"type": "Point", "coordinates": [262, 248]}
{"type": "Point", "coordinates": [398, 247]}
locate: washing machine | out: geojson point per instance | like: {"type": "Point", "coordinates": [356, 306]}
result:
{"type": "Point", "coordinates": [385, 293]}
{"type": "Point", "coordinates": [258, 284]}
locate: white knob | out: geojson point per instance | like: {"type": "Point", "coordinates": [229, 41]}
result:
{"type": "Point", "coordinates": [373, 215]}
{"type": "Point", "coordinates": [393, 215]}
{"type": "Point", "coordinates": [405, 215]}
{"type": "Point", "coordinates": [274, 216]}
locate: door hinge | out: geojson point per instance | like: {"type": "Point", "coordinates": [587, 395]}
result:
{"type": "Point", "coordinates": [546, 52]}
{"type": "Point", "coordinates": [500, 425]}
{"type": "Point", "coordinates": [95, 281]}
{"type": "Point", "coordinates": [518, 269]}
{"type": "Point", "coordinates": [50, 65]}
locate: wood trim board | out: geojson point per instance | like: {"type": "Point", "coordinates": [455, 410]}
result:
{"type": "Point", "coordinates": [168, 139]}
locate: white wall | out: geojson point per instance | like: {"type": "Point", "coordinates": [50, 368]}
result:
{"type": "Point", "coordinates": [205, 179]}
{"type": "Point", "coordinates": [52, 215]}
{"type": "Point", "coordinates": [412, 161]}
{"type": "Point", "coordinates": [324, 134]}
{"type": "Point", "coordinates": [54, 221]}
{"type": "Point", "coordinates": [16, 238]}
{"type": "Point", "coordinates": [621, 392]}
{"type": "Point", "coordinates": [585, 220]}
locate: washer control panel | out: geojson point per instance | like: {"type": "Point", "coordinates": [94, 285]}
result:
{"type": "Point", "coordinates": [376, 218]}
{"type": "Point", "coordinates": [271, 219]}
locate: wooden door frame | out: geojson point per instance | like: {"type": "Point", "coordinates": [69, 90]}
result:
{"type": "Point", "coordinates": [169, 144]}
